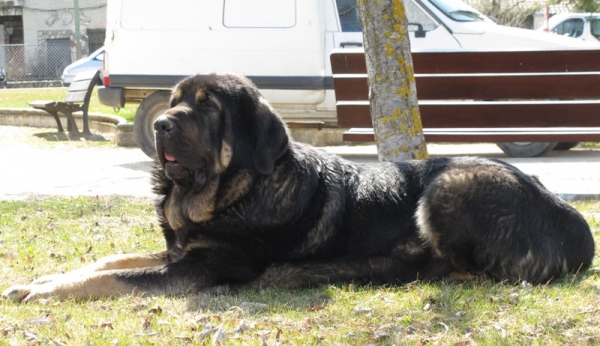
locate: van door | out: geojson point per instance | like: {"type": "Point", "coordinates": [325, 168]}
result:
{"type": "Point", "coordinates": [282, 53]}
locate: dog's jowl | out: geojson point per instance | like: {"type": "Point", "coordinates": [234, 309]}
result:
{"type": "Point", "coordinates": [242, 205]}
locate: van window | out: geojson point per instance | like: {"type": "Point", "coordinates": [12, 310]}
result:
{"type": "Point", "coordinates": [259, 13]}
{"type": "Point", "coordinates": [572, 28]}
{"type": "Point", "coordinates": [151, 15]}
{"type": "Point", "coordinates": [348, 13]}
{"type": "Point", "coordinates": [595, 25]}
{"type": "Point", "coordinates": [350, 21]}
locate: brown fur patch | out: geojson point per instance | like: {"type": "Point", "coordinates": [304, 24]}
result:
{"type": "Point", "coordinates": [177, 94]}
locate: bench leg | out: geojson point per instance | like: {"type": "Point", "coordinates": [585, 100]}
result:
{"type": "Point", "coordinates": [71, 124]}
{"type": "Point", "coordinates": [57, 119]}
{"type": "Point", "coordinates": [86, 124]}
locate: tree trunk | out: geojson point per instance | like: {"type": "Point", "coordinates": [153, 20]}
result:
{"type": "Point", "coordinates": [392, 89]}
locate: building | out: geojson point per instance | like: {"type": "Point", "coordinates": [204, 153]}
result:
{"type": "Point", "coordinates": [41, 34]}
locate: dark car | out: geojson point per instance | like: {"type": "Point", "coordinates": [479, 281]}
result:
{"type": "Point", "coordinates": [3, 78]}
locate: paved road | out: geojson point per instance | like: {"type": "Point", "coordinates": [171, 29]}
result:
{"type": "Point", "coordinates": [37, 167]}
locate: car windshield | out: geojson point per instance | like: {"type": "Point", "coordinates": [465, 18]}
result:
{"type": "Point", "coordinates": [458, 11]}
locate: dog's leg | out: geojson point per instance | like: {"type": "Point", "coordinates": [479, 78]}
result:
{"type": "Point", "coordinates": [498, 221]}
{"type": "Point", "coordinates": [378, 270]}
{"type": "Point", "coordinates": [175, 278]}
{"type": "Point", "coordinates": [113, 262]}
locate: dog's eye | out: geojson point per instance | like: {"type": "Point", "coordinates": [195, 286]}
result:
{"type": "Point", "coordinates": [209, 103]}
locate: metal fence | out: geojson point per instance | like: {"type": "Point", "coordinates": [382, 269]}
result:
{"type": "Point", "coordinates": [35, 62]}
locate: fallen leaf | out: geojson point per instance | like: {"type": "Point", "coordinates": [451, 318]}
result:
{"type": "Point", "coordinates": [242, 327]}
{"type": "Point", "coordinates": [39, 321]}
{"type": "Point", "coordinates": [220, 336]}
{"type": "Point", "coordinates": [363, 311]}
{"type": "Point", "coordinates": [254, 306]}
{"type": "Point", "coordinates": [208, 332]}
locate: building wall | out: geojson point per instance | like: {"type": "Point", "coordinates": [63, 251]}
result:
{"type": "Point", "coordinates": [50, 20]}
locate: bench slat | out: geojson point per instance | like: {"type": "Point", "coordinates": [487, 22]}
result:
{"type": "Point", "coordinates": [353, 61]}
{"type": "Point", "coordinates": [485, 114]}
{"type": "Point", "coordinates": [80, 85]}
{"type": "Point", "coordinates": [483, 86]}
{"type": "Point", "coordinates": [485, 135]}
{"type": "Point", "coordinates": [77, 96]}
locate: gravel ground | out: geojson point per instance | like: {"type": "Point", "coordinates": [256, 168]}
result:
{"type": "Point", "coordinates": [44, 162]}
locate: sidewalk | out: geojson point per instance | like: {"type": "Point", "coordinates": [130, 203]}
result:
{"type": "Point", "coordinates": [56, 168]}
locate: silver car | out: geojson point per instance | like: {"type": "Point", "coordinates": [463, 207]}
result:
{"type": "Point", "coordinates": [92, 62]}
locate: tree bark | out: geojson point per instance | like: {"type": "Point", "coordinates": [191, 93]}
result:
{"type": "Point", "coordinates": [392, 89]}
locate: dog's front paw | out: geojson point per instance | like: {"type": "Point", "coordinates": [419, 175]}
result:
{"type": "Point", "coordinates": [18, 292]}
{"type": "Point", "coordinates": [31, 292]}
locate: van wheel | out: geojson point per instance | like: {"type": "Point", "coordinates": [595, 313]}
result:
{"type": "Point", "coordinates": [565, 145]}
{"type": "Point", "coordinates": [526, 149]}
{"type": "Point", "coordinates": [150, 108]}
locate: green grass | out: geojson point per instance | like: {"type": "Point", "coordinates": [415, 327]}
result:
{"type": "Point", "coordinates": [43, 236]}
{"type": "Point", "coordinates": [19, 98]}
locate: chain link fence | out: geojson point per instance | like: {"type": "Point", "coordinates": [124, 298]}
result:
{"type": "Point", "coordinates": [35, 62]}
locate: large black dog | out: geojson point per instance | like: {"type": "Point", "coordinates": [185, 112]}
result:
{"type": "Point", "coordinates": [241, 204]}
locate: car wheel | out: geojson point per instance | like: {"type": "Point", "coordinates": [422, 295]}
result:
{"type": "Point", "coordinates": [143, 124]}
{"type": "Point", "coordinates": [565, 145]}
{"type": "Point", "coordinates": [526, 149]}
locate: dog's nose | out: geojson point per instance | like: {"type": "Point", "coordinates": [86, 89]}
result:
{"type": "Point", "coordinates": [163, 124]}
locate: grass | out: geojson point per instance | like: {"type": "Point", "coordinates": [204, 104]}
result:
{"type": "Point", "coordinates": [19, 98]}
{"type": "Point", "coordinates": [49, 235]}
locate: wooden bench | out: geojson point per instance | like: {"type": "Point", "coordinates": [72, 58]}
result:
{"type": "Point", "coordinates": [77, 100]}
{"type": "Point", "coordinates": [476, 96]}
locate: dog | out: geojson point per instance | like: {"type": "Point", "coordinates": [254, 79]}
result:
{"type": "Point", "coordinates": [241, 205]}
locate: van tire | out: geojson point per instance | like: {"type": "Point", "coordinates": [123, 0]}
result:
{"type": "Point", "coordinates": [526, 149]}
{"type": "Point", "coordinates": [150, 108]}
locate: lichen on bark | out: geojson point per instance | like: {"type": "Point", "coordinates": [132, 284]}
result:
{"type": "Point", "coordinates": [392, 88]}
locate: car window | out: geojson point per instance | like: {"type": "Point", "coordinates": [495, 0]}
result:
{"type": "Point", "coordinates": [348, 13]}
{"type": "Point", "coordinates": [595, 27]}
{"type": "Point", "coordinates": [571, 28]}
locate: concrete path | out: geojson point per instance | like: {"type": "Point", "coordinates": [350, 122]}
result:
{"type": "Point", "coordinates": [38, 167]}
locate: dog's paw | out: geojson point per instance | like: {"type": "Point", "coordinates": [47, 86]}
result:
{"type": "Point", "coordinates": [31, 292]}
{"type": "Point", "coordinates": [18, 292]}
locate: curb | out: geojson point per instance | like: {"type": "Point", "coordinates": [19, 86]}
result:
{"type": "Point", "coordinates": [104, 123]}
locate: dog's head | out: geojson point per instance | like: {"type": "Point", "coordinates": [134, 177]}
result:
{"type": "Point", "coordinates": [216, 122]}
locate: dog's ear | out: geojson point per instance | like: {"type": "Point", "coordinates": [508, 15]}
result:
{"type": "Point", "coordinates": [271, 138]}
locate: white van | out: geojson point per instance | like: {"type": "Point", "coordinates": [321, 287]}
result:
{"type": "Point", "coordinates": [582, 26]}
{"type": "Point", "coordinates": [282, 45]}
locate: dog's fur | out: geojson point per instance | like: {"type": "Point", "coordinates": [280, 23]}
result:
{"type": "Point", "coordinates": [241, 204]}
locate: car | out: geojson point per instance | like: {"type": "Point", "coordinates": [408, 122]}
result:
{"type": "Point", "coordinates": [3, 78]}
{"type": "Point", "coordinates": [584, 26]}
{"type": "Point", "coordinates": [92, 62]}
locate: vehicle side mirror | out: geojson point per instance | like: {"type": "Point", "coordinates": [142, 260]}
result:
{"type": "Point", "coordinates": [420, 33]}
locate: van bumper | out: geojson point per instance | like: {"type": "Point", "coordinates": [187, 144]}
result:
{"type": "Point", "coordinates": [111, 97]}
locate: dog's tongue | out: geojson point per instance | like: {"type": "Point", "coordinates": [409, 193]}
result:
{"type": "Point", "coordinates": [169, 157]}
